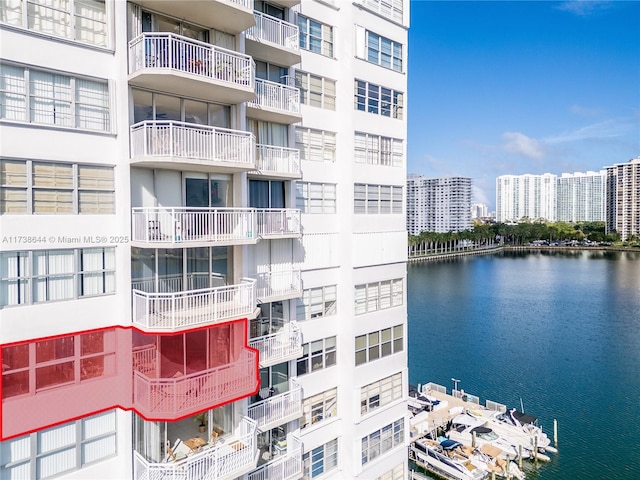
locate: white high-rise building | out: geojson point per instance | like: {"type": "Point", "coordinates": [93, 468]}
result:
{"type": "Point", "coordinates": [438, 204]}
{"type": "Point", "coordinates": [203, 256]}
{"type": "Point", "coordinates": [526, 196]}
{"type": "Point", "coordinates": [479, 210]}
{"type": "Point", "coordinates": [581, 197]}
{"type": "Point", "coordinates": [623, 199]}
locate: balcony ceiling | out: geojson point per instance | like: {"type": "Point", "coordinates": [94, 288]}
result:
{"type": "Point", "coordinates": [271, 52]}
{"type": "Point", "coordinates": [190, 164]}
{"type": "Point", "coordinates": [272, 115]}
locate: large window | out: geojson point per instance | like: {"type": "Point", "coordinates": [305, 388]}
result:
{"type": "Point", "coordinates": [55, 188]}
{"type": "Point", "coordinates": [396, 473]}
{"type": "Point", "coordinates": [317, 302]}
{"type": "Point", "coordinates": [378, 150]}
{"type": "Point", "coordinates": [374, 199]}
{"type": "Point", "coordinates": [35, 276]}
{"type": "Point", "coordinates": [317, 355]}
{"type": "Point", "coordinates": [316, 145]}
{"type": "Point", "coordinates": [378, 344]}
{"type": "Point", "coordinates": [383, 440]}
{"type": "Point", "coordinates": [63, 448]}
{"type": "Point", "coordinates": [47, 98]}
{"type": "Point", "coordinates": [316, 91]}
{"type": "Point", "coordinates": [320, 460]}
{"type": "Point", "coordinates": [315, 36]}
{"type": "Point", "coordinates": [380, 393]}
{"type": "Point", "coordinates": [81, 20]}
{"type": "Point", "coordinates": [316, 197]}
{"type": "Point", "coordinates": [374, 296]}
{"type": "Point", "coordinates": [390, 9]}
{"type": "Point", "coordinates": [319, 407]}
{"type": "Point", "coordinates": [377, 49]}
{"type": "Point", "coordinates": [379, 100]}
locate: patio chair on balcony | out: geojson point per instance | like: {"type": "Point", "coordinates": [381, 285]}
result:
{"type": "Point", "coordinates": [154, 230]}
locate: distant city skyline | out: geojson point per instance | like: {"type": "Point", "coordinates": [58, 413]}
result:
{"type": "Point", "coordinates": [501, 88]}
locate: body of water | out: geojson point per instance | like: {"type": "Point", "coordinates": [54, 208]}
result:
{"type": "Point", "coordinates": [559, 330]}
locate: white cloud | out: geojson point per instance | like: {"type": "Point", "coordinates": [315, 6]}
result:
{"type": "Point", "coordinates": [479, 195]}
{"type": "Point", "coordinates": [606, 129]}
{"type": "Point", "coordinates": [584, 111]}
{"type": "Point", "coordinates": [584, 7]}
{"type": "Point", "coordinates": [519, 143]}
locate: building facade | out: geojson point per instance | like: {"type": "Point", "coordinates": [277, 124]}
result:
{"type": "Point", "coordinates": [479, 210]}
{"type": "Point", "coordinates": [531, 197]}
{"type": "Point", "coordinates": [438, 204]}
{"type": "Point", "coordinates": [623, 199]}
{"type": "Point", "coordinates": [581, 197]}
{"type": "Point", "coordinates": [202, 267]}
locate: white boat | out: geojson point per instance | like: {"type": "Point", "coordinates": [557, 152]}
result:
{"type": "Point", "coordinates": [470, 430]}
{"type": "Point", "coordinates": [431, 456]}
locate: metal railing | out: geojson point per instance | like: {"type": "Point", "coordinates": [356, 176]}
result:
{"type": "Point", "coordinates": [177, 282]}
{"type": "Point", "coordinates": [175, 52]}
{"type": "Point", "coordinates": [283, 467]}
{"type": "Point", "coordinates": [278, 221]}
{"type": "Point", "coordinates": [193, 224]}
{"type": "Point", "coordinates": [287, 283]}
{"type": "Point", "coordinates": [177, 310]}
{"type": "Point", "coordinates": [278, 346]}
{"type": "Point", "coordinates": [178, 396]}
{"type": "Point", "coordinates": [276, 96]}
{"type": "Point", "coordinates": [273, 30]}
{"type": "Point", "coordinates": [189, 140]}
{"type": "Point", "coordinates": [278, 407]}
{"type": "Point", "coordinates": [277, 160]}
{"type": "Point", "coordinates": [221, 461]}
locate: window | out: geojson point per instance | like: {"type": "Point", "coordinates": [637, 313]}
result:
{"type": "Point", "coordinates": [378, 150]}
{"type": "Point", "coordinates": [316, 91]}
{"type": "Point", "coordinates": [81, 20]}
{"type": "Point", "coordinates": [319, 407]}
{"type": "Point", "coordinates": [380, 393]}
{"type": "Point", "coordinates": [55, 188]}
{"type": "Point", "coordinates": [383, 440]}
{"type": "Point", "coordinates": [391, 9]}
{"type": "Point", "coordinates": [315, 36]}
{"type": "Point", "coordinates": [317, 302]}
{"type": "Point", "coordinates": [379, 100]}
{"type": "Point", "coordinates": [63, 448]}
{"type": "Point", "coordinates": [316, 145]}
{"type": "Point", "coordinates": [371, 297]}
{"type": "Point", "coordinates": [320, 460]}
{"type": "Point", "coordinates": [396, 473]}
{"type": "Point", "coordinates": [373, 199]}
{"type": "Point", "coordinates": [28, 277]}
{"type": "Point", "coordinates": [316, 197]}
{"type": "Point", "coordinates": [46, 98]}
{"type": "Point", "coordinates": [317, 355]}
{"type": "Point", "coordinates": [378, 49]}
{"type": "Point", "coordinates": [33, 367]}
{"type": "Point", "coordinates": [378, 344]}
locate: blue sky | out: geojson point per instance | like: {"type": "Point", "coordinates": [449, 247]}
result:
{"type": "Point", "coordinates": [520, 87]}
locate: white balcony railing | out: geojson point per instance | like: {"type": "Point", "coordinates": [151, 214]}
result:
{"type": "Point", "coordinates": [278, 285]}
{"type": "Point", "coordinates": [276, 96]}
{"type": "Point", "coordinates": [178, 282]}
{"type": "Point", "coordinates": [188, 140]}
{"type": "Point", "coordinates": [282, 467]}
{"type": "Point", "coordinates": [273, 30]}
{"type": "Point", "coordinates": [222, 461]}
{"type": "Point", "coordinates": [278, 160]}
{"type": "Point", "coordinates": [278, 222]}
{"type": "Point", "coordinates": [277, 347]}
{"type": "Point", "coordinates": [178, 310]}
{"type": "Point", "coordinates": [192, 224]}
{"type": "Point", "coordinates": [162, 50]}
{"type": "Point", "coordinates": [278, 408]}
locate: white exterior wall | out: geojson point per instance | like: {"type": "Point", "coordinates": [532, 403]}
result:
{"type": "Point", "coordinates": [530, 196]}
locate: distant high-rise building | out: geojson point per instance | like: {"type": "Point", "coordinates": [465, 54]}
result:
{"type": "Point", "coordinates": [438, 204]}
{"type": "Point", "coordinates": [479, 210]}
{"type": "Point", "coordinates": [623, 198]}
{"type": "Point", "coordinates": [581, 197]}
{"type": "Point", "coordinates": [526, 196]}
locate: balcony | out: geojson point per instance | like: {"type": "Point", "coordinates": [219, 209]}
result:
{"type": "Point", "coordinates": [277, 162]}
{"type": "Point", "coordinates": [178, 396]}
{"type": "Point", "coordinates": [222, 461]}
{"type": "Point", "coordinates": [276, 223]}
{"type": "Point", "coordinates": [277, 286]}
{"type": "Point", "coordinates": [278, 409]}
{"type": "Point", "coordinates": [281, 346]}
{"type": "Point", "coordinates": [183, 66]}
{"type": "Point", "coordinates": [284, 466]}
{"type": "Point", "coordinates": [273, 40]}
{"type": "Point", "coordinates": [187, 146]}
{"type": "Point", "coordinates": [174, 311]}
{"type": "Point", "coordinates": [275, 102]}
{"type": "Point", "coordinates": [168, 227]}
{"type": "Point", "coordinates": [231, 16]}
